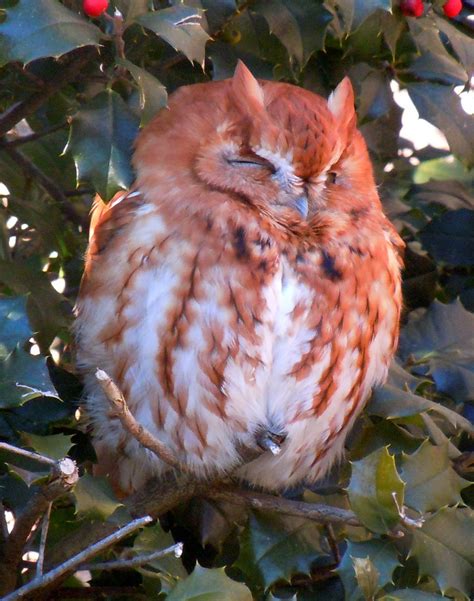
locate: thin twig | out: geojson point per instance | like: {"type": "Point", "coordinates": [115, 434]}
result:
{"type": "Point", "coordinates": [36, 135]}
{"type": "Point", "coordinates": [324, 514]}
{"type": "Point", "coordinates": [63, 477]}
{"type": "Point", "coordinates": [75, 561]}
{"type": "Point", "coordinates": [30, 454]}
{"type": "Point", "coordinates": [42, 545]}
{"type": "Point", "coordinates": [139, 432]}
{"type": "Point", "coordinates": [98, 592]}
{"type": "Point", "coordinates": [72, 64]}
{"type": "Point", "coordinates": [3, 524]}
{"type": "Point", "coordinates": [134, 562]}
{"type": "Point", "coordinates": [48, 184]}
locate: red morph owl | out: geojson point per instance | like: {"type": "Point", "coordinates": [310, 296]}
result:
{"type": "Point", "coordinates": [246, 291]}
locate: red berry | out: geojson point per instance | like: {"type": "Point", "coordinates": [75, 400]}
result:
{"type": "Point", "coordinates": [411, 8]}
{"type": "Point", "coordinates": [94, 8]}
{"type": "Point", "coordinates": [452, 8]}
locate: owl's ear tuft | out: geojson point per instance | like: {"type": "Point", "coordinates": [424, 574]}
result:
{"type": "Point", "coordinates": [246, 91]}
{"type": "Point", "coordinates": [341, 103]}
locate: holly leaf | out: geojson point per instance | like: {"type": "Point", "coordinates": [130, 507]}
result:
{"type": "Point", "coordinates": [153, 95]}
{"type": "Point", "coordinates": [461, 43]}
{"type": "Point", "coordinates": [442, 337]}
{"type": "Point", "coordinates": [449, 238]}
{"type": "Point", "coordinates": [274, 547]}
{"type": "Point", "coordinates": [101, 141]}
{"type": "Point", "coordinates": [441, 550]}
{"type": "Point", "coordinates": [441, 106]}
{"type": "Point", "coordinates": [373, 484]}
{"type": "Point", "coordinates": [153, 539]}
{"type": "Point", "coordinates": [300, 25]}
{"type": "Point", "coordinates": [181, 27]}
{"type": "Point", "coordinates": [39, 28]}
{"type": "Point", "coordinates": [383, 557]}
{"type": "Point", "coordinates": [355, 12]}
{"type": "Point", "coordinates": [55, 446]}
{"type": "Point", "coordinates": [95, 497]}
{"type": "Point", "coordinates": [397, 399]}
{"type": "Point", "coordinates": [209, 585]}
{"type": "Point", "coordinates": [430, 480]}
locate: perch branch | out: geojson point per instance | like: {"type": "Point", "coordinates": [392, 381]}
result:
{"type": "Point", "coordinates": [43, 538]}
{"type": "Point", "coordinates": [30, 454]}
{"type": "Point", "coordinates": [134, 562]}
{"type": "Point", "coordinates": [141, 434]}
{"type": "Point", "coordinates": [324, 514]}
{"type": "Point", "coordinates": [63, 477]}
{"type": "Point", "coordinates": [36, 135]}
{"type": "Point", "coordinates": [49, 185]}
{"type": "Point", "coordinates": [72, 563]}
{"type": "Point", "coordinates": [71, 66]}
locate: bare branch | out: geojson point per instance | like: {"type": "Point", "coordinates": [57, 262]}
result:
{"type": "Point", "coordinates": [72, 65]}
{"type": "Point", "coordinates": [144, 437]}
{"type": "Point", "coordinates": [49, 185]}
{"type": "Point", "coordinates": [44, 536]}
{"type": "Point", "coordinates": [72, 563]}
{"type": "Point", "coordinates": [63, 477]}
{"type": "Point", "coordinates": [134, 562]}
{"type": "Point", "coordinates": [36, 135]}
{"type": "Point", "coordinates": [30, 454]}
{"type": "Point", "coordinates": [324, 514]}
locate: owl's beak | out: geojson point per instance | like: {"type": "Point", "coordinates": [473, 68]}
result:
{"type": "Point", "coordinates": [300, 205]}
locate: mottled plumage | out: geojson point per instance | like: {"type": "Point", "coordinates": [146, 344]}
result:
{"type": "Point", "coordinates": [247, 288]}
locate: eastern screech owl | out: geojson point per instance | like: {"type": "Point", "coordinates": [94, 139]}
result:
{"type": "Point", "coordinates": [246, 291]}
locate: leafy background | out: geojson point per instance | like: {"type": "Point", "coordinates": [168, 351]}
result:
{"type": "Point", "coordinates": [72, 97]}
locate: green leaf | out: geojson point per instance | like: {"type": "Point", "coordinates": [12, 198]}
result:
{"type": "Point", "coordinates": [450, 238]}
{"type": "Point", "coordinates": [101, 141]}
{"type": "Point", "coordinates": [275, 547]}
{"type": "Point", "coordinates": [132, 8]}
{"type": "Point", "coordinates": [153, 95]}
{"type": "Point", "coordinates": [367, 576]}
{"type": "Point", "coordinates": [441, 106]}
{"type": "Point", "coordinates": [55, 446]}
{"type": "Point", "coordinates": [383, 556]}
{"type": "Point", "coordinates": [300, 25]}
{"type": "Point", "coordinates": [444, 551]}
{"type": "Point", "coordinates": [460, 42]}
{"type": "Point", "coordinates": [442, 336]}
{"type": "Point", "coordinates": [396, 399]}
{"type": "Point", "coordinates": [445, 168]}
{"type": "Point", "coordinates": [94, 497]}
{"type": "Point", "coordinates": [181, 27]}
{"type": "Point", "coordinates": [373, 483]}
{"type": "Point", "coordinates": [355, 12]}
{"type": "Point", "coordinates": [38, 28]}
{"type": "Point", "coordinates": [430, 480]}
{"type": "Point", "coordinates": [155, 538]}
{"type": "Point", "coordinates": [209, 585]}
{"type": "Point", "coordinates": [14, 324]}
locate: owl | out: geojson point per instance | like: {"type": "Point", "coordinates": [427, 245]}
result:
{"type": "Point", "coordinates": [245, 294]}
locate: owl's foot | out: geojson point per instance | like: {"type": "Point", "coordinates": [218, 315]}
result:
{"type": "Point", "coordinates": [271, 441]}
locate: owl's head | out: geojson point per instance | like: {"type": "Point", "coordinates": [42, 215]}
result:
{"type": "Point", "coordinates": [274, 146]}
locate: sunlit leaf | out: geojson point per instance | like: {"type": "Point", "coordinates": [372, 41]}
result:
{"type": "Point", "coordinates": [373, 486]}
{"type": "Point", "coordinates": [181, 27]}
{"type": "Point", "coordinates": [209, 585]}
{"type": "Point", "coordinates": [55, 446]}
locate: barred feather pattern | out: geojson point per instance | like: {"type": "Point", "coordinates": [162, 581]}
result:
{"type": "Point", "coordinates": [222, 304]}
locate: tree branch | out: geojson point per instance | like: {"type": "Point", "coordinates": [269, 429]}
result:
{"type": "Point", "coordinates": [49, 185]}
{"type": "Point", "coordinates": [74, 562]}
{"type": "Point", "coordinates": [134, 562]}
{"type": "Point", "coordinates": [29, 454]}
{"type": "Point", "coordinates": [72, 64]}
{"type": "Point", "coordinates": [63, 477]}
{"type": "Point", "coordinates": [324, 514]}
{"type": "Point", "coordinates": [35, 135]}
